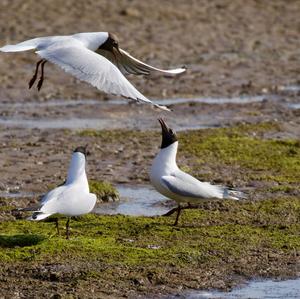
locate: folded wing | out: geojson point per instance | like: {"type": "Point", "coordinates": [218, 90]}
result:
{"type": "Point", "coordinates": [187, 186]}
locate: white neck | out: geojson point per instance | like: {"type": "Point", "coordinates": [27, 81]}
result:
{"type": "Point", "coordinates": [92, 40]}
{"type": "Point", "coordinates": [76, 172]}
{"type": "Point", "coordinates": [167, 156]}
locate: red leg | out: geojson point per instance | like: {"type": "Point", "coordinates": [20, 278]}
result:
{"type": "Point", "coordinates": [31, 82]}
{"type": "Point", "coordinates": [40, 83]}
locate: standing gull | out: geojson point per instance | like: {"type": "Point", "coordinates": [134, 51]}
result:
{"type": "Point", "coordinates": [73, 197]}
{"type": "Point", "coordinates": [94, 57]}
{"type": "Point", "coordinates": [173, 183]}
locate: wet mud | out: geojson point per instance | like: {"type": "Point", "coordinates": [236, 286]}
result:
{"type": "Point", "coordinates": [242, 63]}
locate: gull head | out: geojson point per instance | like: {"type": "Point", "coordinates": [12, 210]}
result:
{"type": "Point", "coordinates": [168, 135]}
{"type": "Point", "coordinates": [110, 44]}
{"type": "Point", "coordinates": [83, 150]}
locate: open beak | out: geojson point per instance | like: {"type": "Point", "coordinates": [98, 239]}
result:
{"type": "Point", "coordinates": [168, 135]}
{"type": "Point", "coordinates": [164, 126]}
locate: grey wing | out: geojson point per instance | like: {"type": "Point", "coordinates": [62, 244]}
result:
{"type": "Point", "coordinates": [52, 194]}
{"type": "Point", "coordinates": [185, 185]}
{"type": "Point", "coordinates": [87, 66]}
{"type": "Point", "coordinates": [128, 64]}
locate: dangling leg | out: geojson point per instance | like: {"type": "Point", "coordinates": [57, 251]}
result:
{"type": "Point", "coordinates": [56, 225]}
{"type": "Point", "coordinates": [31, 82]}
{"type": "Point", "coordinates": [177, 216]}
{"type": "Point", "coordinates": [68, 229]}
{"type": "Point", "coordinates": [40, 83]}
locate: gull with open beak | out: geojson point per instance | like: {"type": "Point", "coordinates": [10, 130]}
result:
{"type": "Point", "coordinates": [173, 183]}
{"type": "Point", "coordinates": [73, 197]}
{"type": "Point", "coordinates": [94, 57]}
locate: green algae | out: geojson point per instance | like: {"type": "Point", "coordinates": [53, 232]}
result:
{"type": "Point", "coordinates": [133, 253]}
{"type": "Point", "coordinates": [206, 235]}
{"type": "Point", "coordinates": [244, 147]}
{"type": "Point", "coordinates": [220, 240]}
{"type": "Point", "coordinates": [104, 190]}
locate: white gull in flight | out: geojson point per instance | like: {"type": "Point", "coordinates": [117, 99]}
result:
{"type": "Point", "coordinates": [94, 57]}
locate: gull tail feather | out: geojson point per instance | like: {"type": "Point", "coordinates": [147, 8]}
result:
{"type": "Point", "coordinates": [38, 215]}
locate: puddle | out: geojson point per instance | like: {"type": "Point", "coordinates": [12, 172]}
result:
{"type": "Point", "coordinates": [294, 105]}
{"type": "Point", "coordinates": [69, 123]}
{"type": "Point", "coordinates": [96, 124]}
{"type": "Point", "coordinates": [54, 103]}
{"type": "Point", "coordinates": [136, 201]}
{"type": "Point", "coordinates": [218, 101]}
{"type": "Point", "coordinates": [290, 88]}
{"type": "Point", "coordinates": [4, 194]}
{"type": "Point", "coordinates": [78, 118]}
{"type": "Point", "coordinates": [245, 99]}
{"type": "Point", "coordinates": [268, 289]}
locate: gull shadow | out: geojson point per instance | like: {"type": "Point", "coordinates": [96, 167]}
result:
{"type": "Point", "coordinates": [21, 240]}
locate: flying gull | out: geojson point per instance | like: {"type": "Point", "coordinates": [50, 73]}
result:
{"type": "Point", "coordinates": [94, 57]}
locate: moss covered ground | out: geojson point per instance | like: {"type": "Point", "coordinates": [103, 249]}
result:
{"type": "Point", "coordinates": [244, 238]}
{"type": "Point", "coordinates": [104, 190]}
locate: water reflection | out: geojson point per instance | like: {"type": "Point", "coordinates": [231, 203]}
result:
{"type": "Point", "coordinates": [136, 201]}
{"type": "Point", "coordinates": [267, 289]}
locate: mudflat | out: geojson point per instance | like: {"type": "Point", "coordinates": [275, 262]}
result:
{"type": "Point", "coordinates": [236, 110]}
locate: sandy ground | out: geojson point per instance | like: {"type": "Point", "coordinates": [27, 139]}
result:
{"type": "Point", "coordinates": [228, 47]}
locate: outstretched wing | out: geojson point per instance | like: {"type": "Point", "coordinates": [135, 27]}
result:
{"type": "Point", "coordinates": [128, 64]}
{"type": "Point", "coordinates": [30, 44]}
{"type": "Point", "coordinates": [87, 66]}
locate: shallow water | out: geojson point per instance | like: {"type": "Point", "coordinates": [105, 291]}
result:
{"type": "Point", "coordinates": [294, 105]}
{"type": "Point", "coordinates": [290, 88]}
{"type": "Point", "coordinates": [136, 201]}
{"type": "Point", "coordinates": [17, 194]}
{"type": "Point", "coordinates": [52, 103]}
{"type": "Point", "coordinates": [81, 114]}
{"type": "Point", "coordinates": [244, 99]}
{"type": "Point", "coordinates": [93, 123]}
{"type": "Point", "coordinates": [68, 123]}
{"type": "Point", "coordinates": [268, 289]}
